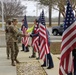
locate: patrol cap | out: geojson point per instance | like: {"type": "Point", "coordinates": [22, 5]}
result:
{"type": "Point", "coordinates": [8, 22]}
{"type": "Point", "coordinates": [14, 20]}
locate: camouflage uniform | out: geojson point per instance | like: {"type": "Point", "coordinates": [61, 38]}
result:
{"type": "Point", "coordinates": [6, 37]}
{"type": "Point", "coordinates": [10, 42]}
{"type": "Point", "coordinates": [16, 34]}
{"type": "Point", "coordinates": [15, 37]}
{"type": "Point", "coordinates": [13, 42]}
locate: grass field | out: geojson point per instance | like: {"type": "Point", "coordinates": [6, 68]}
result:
{"type": "Point", "coordinates": [30, 25]}
{"type": "Point", "coordinates": [55, 47]}
{"type": "Point", "coordinates": [0, 25]}
{"type": "Point", "coordinates": [19, 25]}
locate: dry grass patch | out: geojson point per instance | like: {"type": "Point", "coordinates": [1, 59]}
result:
{"type": "Point", "coordinates": [30, 68]}
{"type": "Point", "coordinates": [55, 47]}
{"type": "Point", "coordinates": [0, 25]}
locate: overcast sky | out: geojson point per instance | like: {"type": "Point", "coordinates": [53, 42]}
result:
{"type": "Point", "coordinates": [33, 10]}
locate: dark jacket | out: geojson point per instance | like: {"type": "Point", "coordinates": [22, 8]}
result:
{"type": "Point", "coordinates": [48, 37]}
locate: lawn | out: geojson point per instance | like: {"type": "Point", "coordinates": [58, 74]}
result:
{"type": "Point", "coordinates": [30, 25]}
{"type": "Point", "coordinates": [55, 47]}
{"type": "Point", "coordinates": [0, 25]}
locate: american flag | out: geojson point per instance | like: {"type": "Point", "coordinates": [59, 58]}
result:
{"type": "Point", "coordinates": [43, 48]}
{"type": "Point", "coordinates": [35, 40]}
{"type": "Point", "coordinates": [24, 28]}
{"type": "Point", "coordinates": [68, 42]}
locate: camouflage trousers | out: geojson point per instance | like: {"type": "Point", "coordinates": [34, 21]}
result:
{"type": "Point", "coordinates": [16, 50]}
{"type": "Point", "coordinates": [13, 48]}
{"type": "Point", "coordinates": [7, 48]}
{"type": "Point", "coordinates": [10, 47]}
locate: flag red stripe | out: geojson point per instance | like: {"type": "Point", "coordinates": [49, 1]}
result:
{"type": "Point", "coordinates": [41, 47]}
{"type": "Point", "coordinates": [43, 31]}
{"type": "Point", "coordinates": [68, 51]}
{"type": "Point", "coordinates": [70, 31]}
{"type": "Point", "coordinates": [69, 28]}
{"type": "Point", "coordinates": [42, 55]}
{"type": "Point", "coordinates": [25, 39]}
{"type": "Point", "coordinates": [36, 47]}
{"type": "Point", "coordinates": [42, 27]}
{"type": "Point", "coordinates": [67, 63]}
{"type": "Point", "coordinates": [43, 38]}
{"type": "Point", "coordinates": [35, 41]}
{"type": "Point", "coordinates": [67, 42]}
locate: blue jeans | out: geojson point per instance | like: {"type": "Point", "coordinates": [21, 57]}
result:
{"type": "Point", "coordinates": [49, 60]}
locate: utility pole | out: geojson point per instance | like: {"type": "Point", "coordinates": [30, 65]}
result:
{"type": "Point", "coordinates": [2, 15]}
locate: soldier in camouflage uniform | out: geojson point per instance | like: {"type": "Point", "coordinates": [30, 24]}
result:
{"type": "Point", "coordinates": [6, 33]}
{"type": "Point", "coordinates": [10, 42]}
{"type": "Point", "coordinates": [16, 34]}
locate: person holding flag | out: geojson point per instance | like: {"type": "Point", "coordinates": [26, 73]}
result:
{"type": "Point", "coordinates": [8, 23]}
{"type": "Point", "coordinates": [68, 43]}
{"type": "Point", "coordinates": [33, 34]}
{"type": "Point", "coordinates": [25, 39]}
{"type": "Point", "coordinates": [44, 45]}
{"type": "Point", "coordinates": [23, 46]}
{"type": "Point", "coordinates": [35, 38]}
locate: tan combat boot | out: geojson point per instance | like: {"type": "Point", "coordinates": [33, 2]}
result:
{"type": "Point", "coordinates": [7, 56]}
{"type": "Point", "coordinates": [17, 61]}
{"type": "Point", "coordinates": [13, 64]}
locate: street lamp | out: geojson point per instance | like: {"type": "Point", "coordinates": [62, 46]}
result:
{"type": "Point", "coordinates": [2, 15]}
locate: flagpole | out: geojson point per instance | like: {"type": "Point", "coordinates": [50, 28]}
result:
{"type": "Point", "coordinates": [2, 16]}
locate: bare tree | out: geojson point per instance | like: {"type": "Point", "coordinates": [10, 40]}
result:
{"type": "Point", "coordinates": [61, 6]}
{"type": "Point", "coordinates": [12, 8]}
{"type": "Point", "coordinates": [50, 4]}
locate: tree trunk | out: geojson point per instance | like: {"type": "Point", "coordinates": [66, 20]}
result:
{"type": "Point", "coordinates": [50, 14]}
{"type": "Point", "coordinates": [59, 18]}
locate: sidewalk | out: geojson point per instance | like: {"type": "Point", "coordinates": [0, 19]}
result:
{"type": "Point", "coordinates": [7, 69]}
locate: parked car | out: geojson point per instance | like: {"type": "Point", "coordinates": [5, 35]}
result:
{"type": "Point", "coordinates": [58, 30]}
